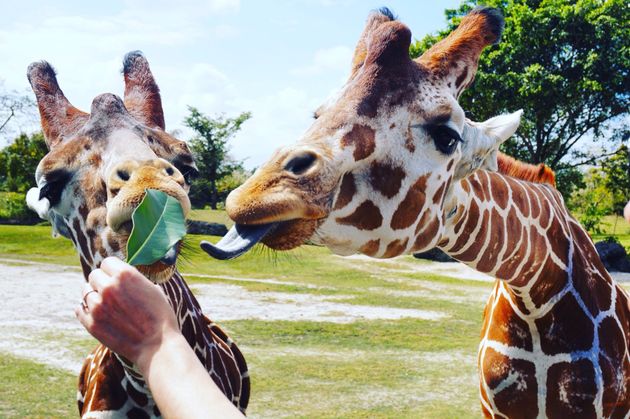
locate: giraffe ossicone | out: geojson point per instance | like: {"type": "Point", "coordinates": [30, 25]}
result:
{"type": "Point", "coordinates": [96, 172]}
{"type": "Point", "coordinates": [392, 166]}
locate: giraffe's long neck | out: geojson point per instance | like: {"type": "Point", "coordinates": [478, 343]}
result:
{"type": "Point", "coordinates": [515, 231]}
{"type": "Point", "coordinates": [213, 347]}
{"type": "Point", "coordinates": [556, 327]}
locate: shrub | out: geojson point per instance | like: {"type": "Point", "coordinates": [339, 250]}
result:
{"type": "Point", "coordinates": [13, 209]}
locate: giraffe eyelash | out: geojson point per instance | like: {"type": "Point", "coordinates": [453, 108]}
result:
{"type": "Point", "coordinates": [54, 185]}
{"type": "Point", "coordinates": [444, 137]}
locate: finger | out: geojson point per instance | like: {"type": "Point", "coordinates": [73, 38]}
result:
{"type": "Point", "coordinates": [113, 266]}
{"type": "Point", "coordinates": [84, 317]}
{"type": "Point", "coordinates": [98, 280]}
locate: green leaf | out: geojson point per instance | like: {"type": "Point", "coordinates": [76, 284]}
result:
{"type": "Point", "coordinates": [158, 224]}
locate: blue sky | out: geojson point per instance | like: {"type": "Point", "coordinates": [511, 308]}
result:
{"type": "Point", "coordinates": [276, 59]}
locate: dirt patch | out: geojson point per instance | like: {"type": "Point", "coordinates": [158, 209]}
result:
{"type": "Point", "coordinates": [405, 264]}
{"type": "Point", "coordinates": [37, 314]}
{"type": "Point", "coordinates": [232, 302]}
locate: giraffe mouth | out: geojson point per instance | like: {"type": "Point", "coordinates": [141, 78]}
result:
{"type": "Point", "coordinates": [238, 240]}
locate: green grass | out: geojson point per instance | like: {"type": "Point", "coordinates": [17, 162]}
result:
{"type": "Point", "coordinates": [616, 226]}
{"type": "Point", "coordinates": [29, 389]}
{"type": "Point", "coordinates": [211, 216]}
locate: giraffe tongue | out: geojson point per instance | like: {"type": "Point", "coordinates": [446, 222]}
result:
{"type": "Point", "coordinates": [237, 241]}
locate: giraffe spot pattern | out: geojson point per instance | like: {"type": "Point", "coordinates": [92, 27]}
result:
{"type": "Point", "coordinates": [395, 248]}
{"type": "Point", "coordinates": [426, 236]}
{"type": "Point", "coordinates": [551, 281]}
{"type": "Point", "coordinates": [509, 327]}
{"type": "Point", "coordinates": [410, 207]}
{"type": "Point", "coordinates": [371, 247]}
{"type": "Point", "coordinates": [571, 390]}
{"type": "Point", "coordinates": [367, 216]}
{"type": "Point", "coordinates": [362, 138]}
{"type": "Point", "coordinates": [512, 383]}
{"type": "Point", "coordinates": [573, 331]}
{"type": "Point", "coordinates": [386, 178]}
{"type": "Point", "coordinates": [347, 190]}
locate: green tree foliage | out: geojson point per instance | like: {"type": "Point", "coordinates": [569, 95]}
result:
{"type": "Point", "coordinates": [19, 160]}
{"type": "Point", "coordinates": [210, 148]}
{"type": "Point", "coordinates": [566, 63]}
{"type": "Point", "coordinates": [616, 169]}
{"type": "Point", "coordinates": [593, 201]}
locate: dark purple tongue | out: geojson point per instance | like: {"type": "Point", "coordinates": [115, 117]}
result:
{"type": "Point", "coordinates": [237, 241]}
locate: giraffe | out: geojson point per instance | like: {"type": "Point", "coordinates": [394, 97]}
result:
{"type": "Point", "coordinates": [391, 166]}
{"type": "Point", "coordinates": [94, 175]}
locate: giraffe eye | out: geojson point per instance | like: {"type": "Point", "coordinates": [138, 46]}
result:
{"type": "Point", "coordinates": [189, 172]}
{"type": "Point", "coordinates": [56, 181]}
{"type": "Point", "coordinates": [445, 138]}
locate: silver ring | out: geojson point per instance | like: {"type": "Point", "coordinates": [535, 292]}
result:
{"type": "Point", "coordinates": [84, 305]}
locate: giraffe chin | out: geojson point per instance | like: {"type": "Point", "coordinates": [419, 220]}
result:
{"type": "Point", "coordinates": [162, 270]}
{"type": "Point", "coordinates": [291, 234]}
{"type": "Point", "coordinates": [157, 272]}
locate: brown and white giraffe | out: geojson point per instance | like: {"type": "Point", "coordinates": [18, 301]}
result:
{"type": "Point", "coordinates": [391, 166]}
{"type": "Point", "coordinates": [95, 174]}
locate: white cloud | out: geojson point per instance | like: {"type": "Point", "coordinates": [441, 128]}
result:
{"type": "Point", "coordinates": [188, 7]}
{"type": "Point", "coordinates": [87, 52]}
{"type": "Point", "coordinates": [336, 58]}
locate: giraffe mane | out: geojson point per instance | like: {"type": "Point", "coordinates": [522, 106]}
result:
{"type": "Point", "coordinates": [540, 173]}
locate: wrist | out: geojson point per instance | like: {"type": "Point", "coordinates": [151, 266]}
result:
{"type": "Point", "coordinates": [149, 354]}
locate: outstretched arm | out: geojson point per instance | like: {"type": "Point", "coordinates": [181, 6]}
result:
{"type": "Point", "coordinates": [131, 316]}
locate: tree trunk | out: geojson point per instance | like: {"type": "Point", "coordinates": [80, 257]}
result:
{"type": "Point", "coordinates": [213, 195]}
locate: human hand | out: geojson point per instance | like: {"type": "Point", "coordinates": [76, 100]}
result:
{"type": "Point", "coordinates": [125, 311]}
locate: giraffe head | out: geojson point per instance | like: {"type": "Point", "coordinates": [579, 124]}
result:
{"type": "Point", "coordinates": [100, 164]}
{"type": "Point", "coordinates": [372, 173]}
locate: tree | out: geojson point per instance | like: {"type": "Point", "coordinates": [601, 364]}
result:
{"type": "Point", "coordinates": [19, 160]}
{"type": "Point", "coordinates": [567, 64]}
{"type": "Point", "coordinates": [13, 106]}
{"type": "Point", "coordinates": [616, 169]}
{"type": "Point", "coordinates": [593, 201]}
{"type": "Point", "coordinates": [210, 148]}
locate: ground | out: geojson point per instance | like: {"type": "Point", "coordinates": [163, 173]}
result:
{"type": "Point", "coordinates": [324, 336]}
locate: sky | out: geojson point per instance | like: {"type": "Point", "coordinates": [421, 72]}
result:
{"type": "Point", "coordinates": [276, 59]}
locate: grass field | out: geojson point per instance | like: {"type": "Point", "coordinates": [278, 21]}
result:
{"type": "Point", "coordinates": [614, 225]}
{"type": "Point", "coordinates": [409, 367]}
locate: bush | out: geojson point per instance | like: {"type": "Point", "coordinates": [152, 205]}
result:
{"type": "Point", "coordinates": [13, 209]}
{"type": "Point", "coordinates": [592, 202]}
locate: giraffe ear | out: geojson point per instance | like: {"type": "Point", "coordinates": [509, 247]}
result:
{"type": "Point", "coordinates": [374, 20]}
{"type": "Point", "coordinates": [482, 140]}
{"type": "Point", "coordinates": [59, 118]}
{"type": "Point", "coordinates": [502, 127]}
{"type": "Point", "coordinates": [454, 59]}
{"type": "Point", "coordinates": [142, 95]}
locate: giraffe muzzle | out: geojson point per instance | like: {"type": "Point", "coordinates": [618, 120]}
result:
{"type": "Point", "coordinates": [238, 240]}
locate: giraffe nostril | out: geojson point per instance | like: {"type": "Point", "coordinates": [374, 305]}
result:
{"type": "Point", "coordinates": [170, 171]}
{"type": "Point", "coordinates": [123, 174]}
